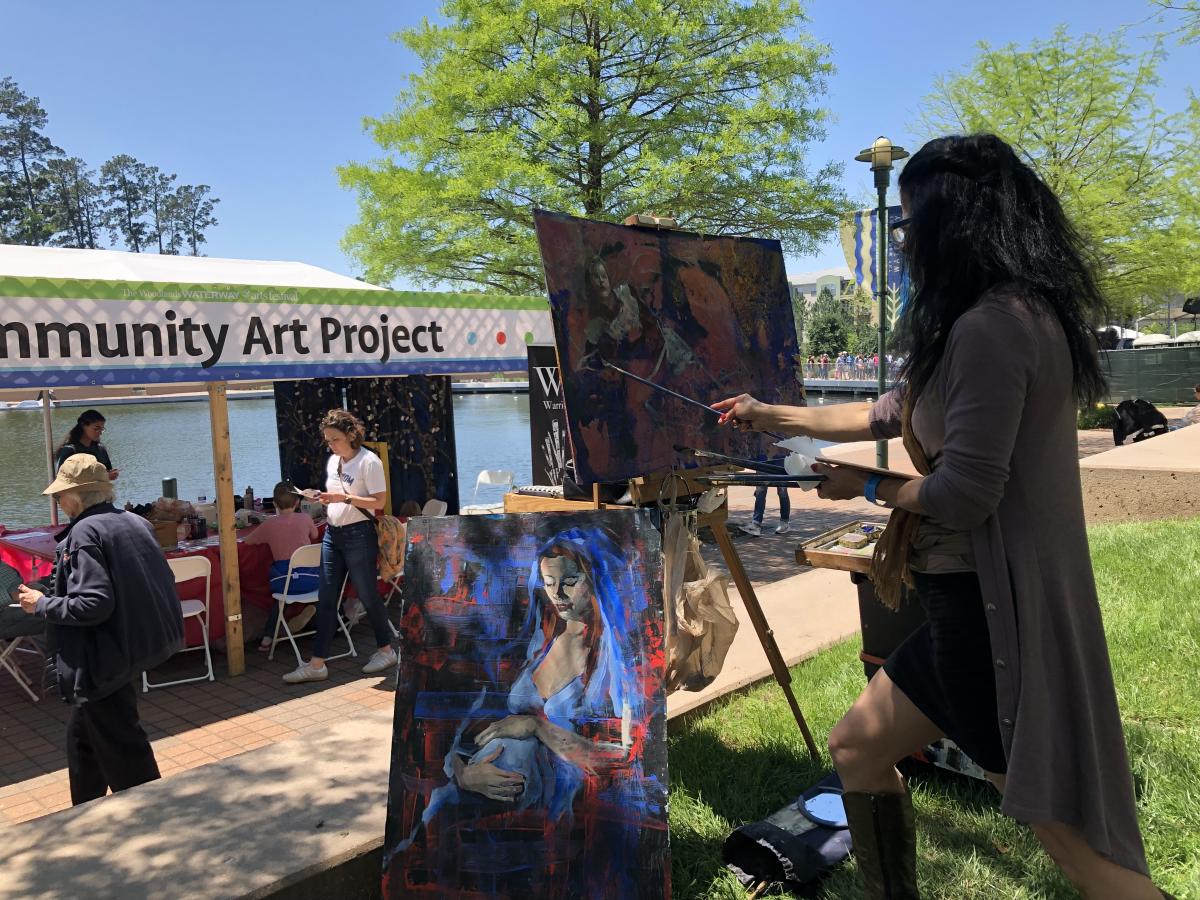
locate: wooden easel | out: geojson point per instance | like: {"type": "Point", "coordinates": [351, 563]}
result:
{"type": "Point", "coordinates": [647, 490]}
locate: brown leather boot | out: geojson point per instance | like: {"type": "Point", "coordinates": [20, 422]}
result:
{"type": "Point", "coordinates": [885, 843]}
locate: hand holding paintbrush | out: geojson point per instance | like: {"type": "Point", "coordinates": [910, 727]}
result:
{"type": "Point", "coordinates": [715, 409]}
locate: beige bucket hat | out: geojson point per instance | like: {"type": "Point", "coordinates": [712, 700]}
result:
{"type": "Point", "coordinates": [78, 471]}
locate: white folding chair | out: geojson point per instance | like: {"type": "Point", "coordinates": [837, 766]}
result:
{"type": "Point", "coordinates": [308, 556]}
{"type": "Point", "coordinates": [494, 477]}
{"type": "Point", "coordinates": [434, 508]}
{"type": "Point", "coordinates": [185, 568]}
{"type": "Point", "coordinates": [8, 664]}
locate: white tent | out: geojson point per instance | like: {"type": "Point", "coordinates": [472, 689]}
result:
{"type": "Point", "coordinates": [117, 265]}
{"type": "Point", "coordinates": [1188, 337]}
{"type": "Point", "coordinates": [105, 318]}
{"type": "Point", "coordinates": [1152, 340]}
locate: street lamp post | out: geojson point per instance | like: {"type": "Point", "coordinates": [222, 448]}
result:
{"type": "Point", "coordinates": [881, 155]}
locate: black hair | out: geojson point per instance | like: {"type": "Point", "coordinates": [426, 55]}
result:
{"type": "Point", "coordinates": [981, 219]}
{"type": "Point", "coordinates": [75, 435]}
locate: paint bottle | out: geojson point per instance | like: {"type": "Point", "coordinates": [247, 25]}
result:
{"type": "Point", "coordinates": [248, 498]}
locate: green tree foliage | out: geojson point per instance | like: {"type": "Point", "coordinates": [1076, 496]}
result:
{"type": "Point", "coordinates": [1081, 111]}
{"type": "Point", "coordinates": [47, 197]}
{"type": "Point", "coordinates": [701, 109]}
{"type": "Point", "coordinates": [827, 330]}
{"type": "Point", "coordinates": [192, 215]}
{"type": "Point", "coordinates": [24, 154]}
{"type": "Point", "coordinates": [76, 203]}
{"type": "Point", "coordinates": [1183, 16]}
{"type": "Point", "coordinates": [126, 185]}
{"type": "Point", "coordinates": [159, 197]}
{"type": "Point", "coordinates": [862, 335]}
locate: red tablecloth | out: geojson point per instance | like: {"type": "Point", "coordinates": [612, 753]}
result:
{"type": "Point", "coordinates": [254, 572]}
{"type": "Point", "coordinates": [31, 552]}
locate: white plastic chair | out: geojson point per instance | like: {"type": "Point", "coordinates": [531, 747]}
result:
{"type": "Point", "coordinates": [185, 568]}
{"type": "Point", "coordinates": [308, 556]}
{"type": "Point", "coordinates": [434, 508]}
{"type": "Point", "coordinates": [497, 477]}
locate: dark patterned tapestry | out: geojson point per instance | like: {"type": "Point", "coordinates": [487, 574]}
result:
{"type": "Point", "coordinates": [299, 406]}
{"type": "Point", "coordinates": [414, 416]}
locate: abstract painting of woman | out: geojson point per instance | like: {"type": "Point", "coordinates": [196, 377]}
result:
{"type": "Point", "coordinates": [554, 771]}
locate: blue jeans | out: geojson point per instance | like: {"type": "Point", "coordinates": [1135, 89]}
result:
{"type": "Point", "coordinates": [352, 550]}
{"type": "Point", "coordinates": [760, 503]}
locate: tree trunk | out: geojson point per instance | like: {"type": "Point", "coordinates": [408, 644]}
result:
{"type": "Point", "coordinates": [593, 195]}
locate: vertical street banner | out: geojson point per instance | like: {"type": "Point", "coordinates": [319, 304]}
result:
{"type": "Point", "coordinates": [550, 447]}
{"type": "Point", "coordinates": [859, 234]}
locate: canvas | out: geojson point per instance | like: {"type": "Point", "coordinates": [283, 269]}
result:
{"type": "Point", "coordinates": [707, 317]}
{"type": "Point", "coordinates": [529, 750]}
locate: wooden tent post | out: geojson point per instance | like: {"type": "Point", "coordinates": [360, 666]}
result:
{"type": "Point", "coordinates": [231, 583]}
{"type": "Point", "coordinates": [46, 426]}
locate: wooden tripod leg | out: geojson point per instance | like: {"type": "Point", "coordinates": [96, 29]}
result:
{"type": "Point", "coordinates": [765, 635]}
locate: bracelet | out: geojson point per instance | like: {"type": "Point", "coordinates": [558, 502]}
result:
{"type": "Point", "coordinates": [871, 487]}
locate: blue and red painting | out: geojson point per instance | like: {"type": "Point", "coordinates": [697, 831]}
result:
{"type": "Point", "coordinates": [706, 317]}
{"type": "Point", "coordinates": [529, 747]}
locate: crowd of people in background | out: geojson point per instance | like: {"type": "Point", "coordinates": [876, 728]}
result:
{"type": "Point", "coordinates": [847, 366]}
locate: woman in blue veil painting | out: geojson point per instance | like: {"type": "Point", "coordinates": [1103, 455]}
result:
{"type": "Point", "coordinates": [576, 724]}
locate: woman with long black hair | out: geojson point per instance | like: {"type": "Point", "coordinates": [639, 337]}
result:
{"type": "Point", "coordinates": [1011, 663]}
{"type": "Point", "coordinates": [84, 437]}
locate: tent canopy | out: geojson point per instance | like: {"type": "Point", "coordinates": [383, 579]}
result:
{"type": "Point", "coordinates": [72, 318]}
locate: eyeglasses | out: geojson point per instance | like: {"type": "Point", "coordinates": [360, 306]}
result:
{"type": "Point", "coordinates": [898, 229]}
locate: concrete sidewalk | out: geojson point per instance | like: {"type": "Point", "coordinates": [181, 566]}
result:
{"type": "Point", "coordinates": [301, 811]}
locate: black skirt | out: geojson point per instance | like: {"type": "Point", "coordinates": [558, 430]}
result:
{"type": "Point", "coordinates": [945, 667]}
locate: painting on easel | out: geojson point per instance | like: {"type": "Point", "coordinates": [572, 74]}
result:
{"type": "Point", "coordinates": [706, 317]}
{"type": "Point", "coordinates": [529, 745]}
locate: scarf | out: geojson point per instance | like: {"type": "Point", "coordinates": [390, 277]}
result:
{"type": "Point", "coordinates": [889, 563]}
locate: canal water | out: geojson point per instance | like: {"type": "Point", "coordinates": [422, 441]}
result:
{"type": "Point", "coordinates": [152, 441]}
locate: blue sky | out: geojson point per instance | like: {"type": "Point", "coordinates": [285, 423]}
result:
{"type": "Point", "coordinates": [264, 99]}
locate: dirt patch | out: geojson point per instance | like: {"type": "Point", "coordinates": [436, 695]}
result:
{"type": "Point", "coordinates": [1132, 495]}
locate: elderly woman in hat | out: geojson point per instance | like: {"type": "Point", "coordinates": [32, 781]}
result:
{"type": "Point", "coordinates": [111, 612]}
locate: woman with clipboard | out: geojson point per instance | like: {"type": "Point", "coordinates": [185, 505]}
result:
{"type": "Point", "coordinates": [1012, 663]}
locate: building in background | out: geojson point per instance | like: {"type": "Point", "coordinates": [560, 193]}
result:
{"type": "Point", "coordinates": [808, 285]}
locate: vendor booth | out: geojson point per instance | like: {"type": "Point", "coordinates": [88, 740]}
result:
{"type": "Point", "coordinates": [72, 319]}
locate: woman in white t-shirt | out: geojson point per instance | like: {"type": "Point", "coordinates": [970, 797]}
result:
{"type": "Point", "coordinates": [355, 489]}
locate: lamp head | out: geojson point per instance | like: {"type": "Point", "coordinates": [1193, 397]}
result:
{"type": "Point", "coordinates": [882, 154]}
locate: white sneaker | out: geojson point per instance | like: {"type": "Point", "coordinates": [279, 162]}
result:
{"type": "Point", "coordinates": [753, 529]}
{"type": "Point", "coordinates": [303, 618]}
{"type": "Point", "coordinates": [305, 673]}
{"type": "Point", "coordinates": [380, 661]}
{"type": "Point", "coordinates": [783, 528]}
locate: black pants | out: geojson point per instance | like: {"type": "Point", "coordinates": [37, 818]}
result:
{"type": "Point", "coordinates": [107, 747]}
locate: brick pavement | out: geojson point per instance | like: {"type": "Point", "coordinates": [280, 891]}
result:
{"type": "Point", "coordinates": [190, 725]}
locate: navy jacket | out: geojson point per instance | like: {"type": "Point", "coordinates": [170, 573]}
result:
{"type": "Point", "coordinates": [113, 611]}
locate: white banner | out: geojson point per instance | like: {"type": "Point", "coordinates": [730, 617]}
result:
{"type": "Point", "coordinates": [62, 333]}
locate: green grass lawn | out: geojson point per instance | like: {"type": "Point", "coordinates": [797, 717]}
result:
{"type": "Point", "coordinates": [745, 758]}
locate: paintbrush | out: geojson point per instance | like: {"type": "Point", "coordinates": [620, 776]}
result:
{"type": "Point", "coordinates": [677, 396]}
{"type": "Point", "coordinates": [758, 466]}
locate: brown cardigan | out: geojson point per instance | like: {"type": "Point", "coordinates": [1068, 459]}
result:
{"type": "Point", "coordinates": [1009, 474]}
